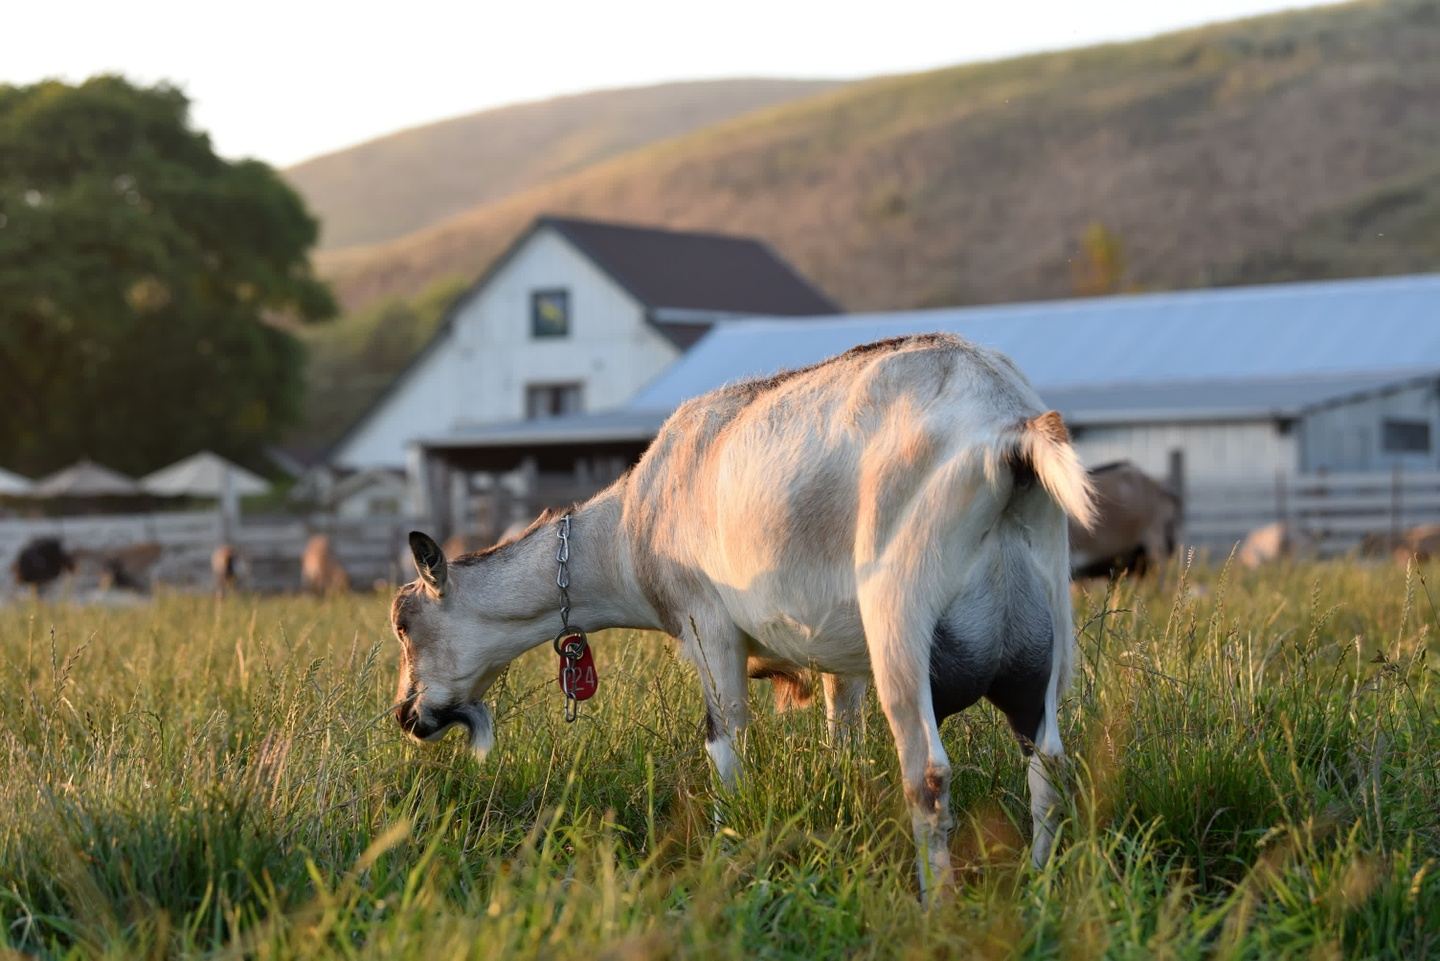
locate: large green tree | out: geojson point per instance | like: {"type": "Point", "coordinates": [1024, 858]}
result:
{"type": "Point", "coordinates": [146, 284]}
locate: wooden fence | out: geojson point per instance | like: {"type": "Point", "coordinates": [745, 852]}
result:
{"type": "Point", "coordinates": [370, 549]}
{"type": "Point", "coordinates": [1338, 511]}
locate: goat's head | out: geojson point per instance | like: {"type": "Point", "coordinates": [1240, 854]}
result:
{"type": "Point", "coordinates": [449, 656]}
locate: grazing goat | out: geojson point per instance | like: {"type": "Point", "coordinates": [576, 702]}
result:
{"type": "Point", "coordinates": [130, 568]}
{"type": "Point", "coordinates": [1272, 542]}
{"type": "Point", "coordinates": [40, 562]}
{"type": "Point", "coordinates": [225, 568]}
{"type": "Point", "coordinates": [1418, 544]}
{"type": "Point", "coordinates": [320, 570]}
{"type": "Point", "coordinates": [1135, 524]}
{"type": "Point", "coordinates": [897, 512]}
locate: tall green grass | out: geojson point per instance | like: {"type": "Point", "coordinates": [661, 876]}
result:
{"type": "Point", "coordinates": [1255, 774]}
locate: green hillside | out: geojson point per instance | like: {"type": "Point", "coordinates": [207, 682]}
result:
{"type": "Point", "coordinates": [1248, 151]}
{"type": "Point", "coordinates": [405, 181]}
{"type": "Point", "coordinates": [352, 361]}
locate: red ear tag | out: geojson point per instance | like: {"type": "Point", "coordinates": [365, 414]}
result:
{"type": "Point", "coordinates": [578, 679]}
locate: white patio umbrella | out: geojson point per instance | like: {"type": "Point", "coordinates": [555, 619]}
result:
{"type": "Point", "coordinates": [204, 475]}
{"type": "Point", "coordinates": [12, 485]}
{"type": "Point", "coordinates": [85, 478]}
{"type": "Point", "coordinates": [207, 475]}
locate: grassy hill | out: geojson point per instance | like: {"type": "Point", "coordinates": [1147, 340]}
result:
{"type": "Point", "coordinates": [353, 360]}
{"type": "Point", "coordinates": [405, 181]}
{"type": "Point", "coordinates": [1249, 151]}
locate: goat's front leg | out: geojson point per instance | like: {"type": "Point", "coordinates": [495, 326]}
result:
{"type": "Point", "coordinates": [717, 650]}
{"type": "Point", "coordinates": [844, 708]}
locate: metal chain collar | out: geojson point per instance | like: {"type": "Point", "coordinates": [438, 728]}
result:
{"type": "Point", "coordinates": [562, 576]}
{"type": "Point", "coordinates": [567, 657]}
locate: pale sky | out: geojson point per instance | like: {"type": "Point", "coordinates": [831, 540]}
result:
{"type": "Point", "coordinates": [283, 80]}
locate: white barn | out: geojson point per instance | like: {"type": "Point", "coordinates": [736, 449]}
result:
{"type": "Point", "coordinates": [576, 317]}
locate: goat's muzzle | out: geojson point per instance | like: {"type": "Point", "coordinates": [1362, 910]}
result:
{"type": "Point", "coordinates": [407, 712]}
{"type": "Point", "coordinates": [407, 715]}
{"type": "Point", "coordinates": [425, 724]}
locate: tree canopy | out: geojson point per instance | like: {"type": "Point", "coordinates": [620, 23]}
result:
{"type": "Point", "coordinates": [147, 285]}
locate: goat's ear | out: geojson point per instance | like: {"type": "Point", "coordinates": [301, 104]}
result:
{"type": "Point", "coordinates": [429, 561]}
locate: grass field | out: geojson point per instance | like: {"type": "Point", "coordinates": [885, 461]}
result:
{"type": "Point", "coordinates": [1256, 774]}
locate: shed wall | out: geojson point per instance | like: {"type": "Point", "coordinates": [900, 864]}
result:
{"type": "Point", "coordinates": [1230, 450]}
{"type": "Point", "coordinates": [1349, 436]}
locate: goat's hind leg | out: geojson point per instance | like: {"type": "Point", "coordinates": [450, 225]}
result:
{"type": "Point", "coordinates": [899, 657]}
{"type": "Point", "coordinates": [1029, 706]}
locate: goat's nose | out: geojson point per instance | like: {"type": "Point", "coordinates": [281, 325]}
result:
{"type": "Point", "coordinates": [407, 714]}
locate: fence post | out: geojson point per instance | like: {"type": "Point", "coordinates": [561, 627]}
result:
{"type": "Point", "coordinates": [1175, 477]}
{"type": "Point", "coordinates": [1281, 499]}
{"type": "Point", "coordinates": [1396, 505]}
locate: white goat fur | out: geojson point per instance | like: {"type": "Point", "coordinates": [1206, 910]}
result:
{"type": "Point", "coordinates": [873, 516]}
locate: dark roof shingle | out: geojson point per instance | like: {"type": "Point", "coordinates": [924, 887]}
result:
{"type": "Point", "coordinates": [680, 270]}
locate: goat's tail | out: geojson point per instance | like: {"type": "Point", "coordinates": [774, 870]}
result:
{"type": "Point", "coordinates": [1040, 446]}
{"type": "Point", "coordinates": [1039, 449]}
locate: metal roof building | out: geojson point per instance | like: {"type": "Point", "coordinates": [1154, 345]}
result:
{"type": "Point", "coordinates": [1383, 326]}
{"type": "Point", "coordinates": [1243, 383]}
{"type": "Point", "coordinates": [1221, 376]}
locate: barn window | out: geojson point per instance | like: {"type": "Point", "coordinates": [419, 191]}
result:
{"type": "Point", "coordinates": [551, 400]}
{"type": "Point", "coordinates": [550, 313]}
{"type": "Point", "coordinates": [1405, 436]}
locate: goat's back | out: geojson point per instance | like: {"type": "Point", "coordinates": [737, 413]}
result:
{"type": "Point", "coordinates": [785, 470]}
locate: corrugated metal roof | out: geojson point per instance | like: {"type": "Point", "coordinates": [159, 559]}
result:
{"type": "Point", "coordinates": [610, 425]}
{"type": "Point", "coordinates": [1285, 397]}
{"type": "Point", "coordinates": [1386, 327]}
{"type": "Point", "coordinates": [1214, 400]}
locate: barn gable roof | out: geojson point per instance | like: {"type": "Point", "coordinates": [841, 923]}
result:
{"type": "Point", "coordinates": [685, 280]}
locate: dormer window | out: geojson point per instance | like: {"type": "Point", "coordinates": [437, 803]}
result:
{"type": "Point", "coordinates": [550, 313]}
